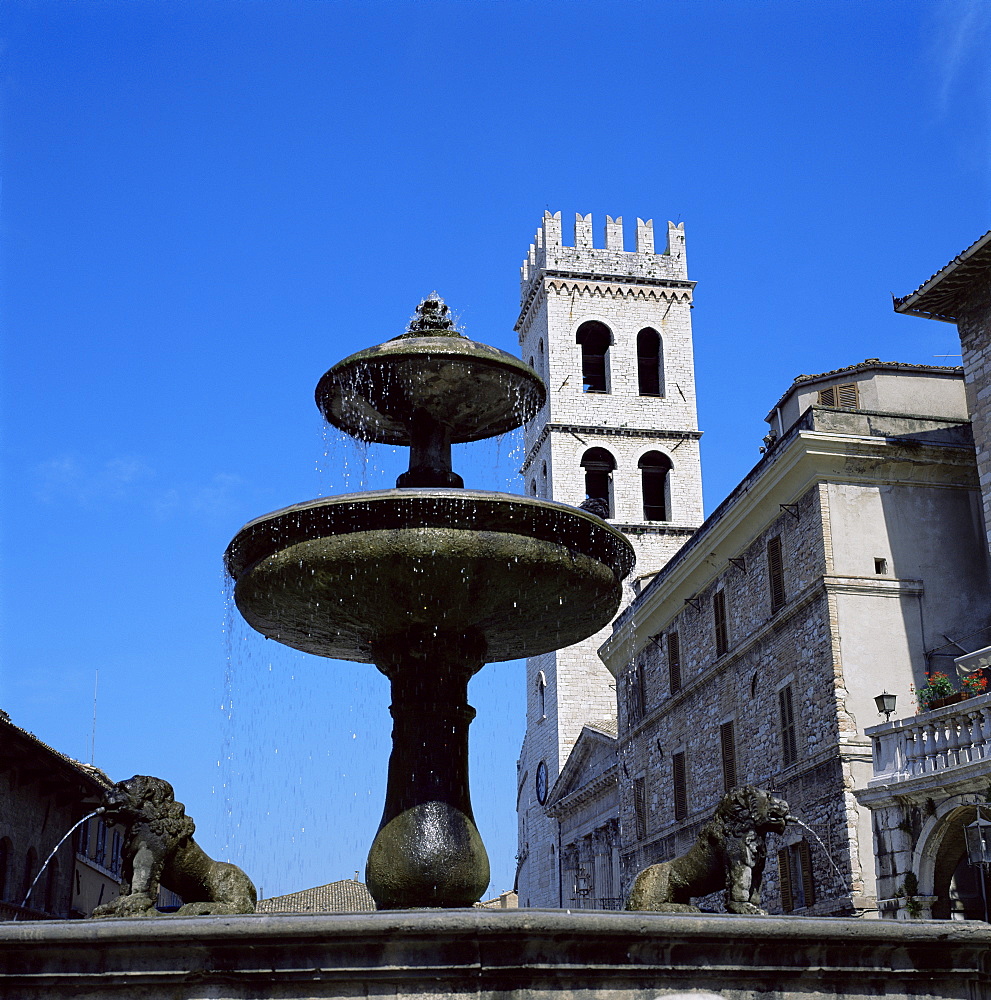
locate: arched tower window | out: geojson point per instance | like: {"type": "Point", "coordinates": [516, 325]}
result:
{"type": "Point", "coordinates": [595, 339]}
{"type": "Point", "coordinates": [541, 695]}
{"type": "Point", "coordinates": [598, 465]}
{"type": "Point", "coordinates": [533, 487]}
{"type": "Point", "coordinates": [540, 355]}
{"type": "Point", "coordinates": [654, 469]}
{"type": "Point", "coordinates": [650, 363]}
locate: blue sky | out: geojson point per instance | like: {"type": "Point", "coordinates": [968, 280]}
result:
{"type": "Point", "coordinates": [205, 205]}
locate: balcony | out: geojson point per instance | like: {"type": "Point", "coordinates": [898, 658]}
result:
{"type": "Point", "coordinates": [948, 743]}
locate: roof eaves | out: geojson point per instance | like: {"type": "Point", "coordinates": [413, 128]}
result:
{"type": "Point", "coordinates": [908, 304]}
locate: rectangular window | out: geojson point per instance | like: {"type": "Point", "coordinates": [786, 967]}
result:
{"type": "Point", "coordinates": [844, 396]}
{"type": "Point", "coordinates": [635, 701]}
{"type": "Point", "coordinates": [101, 843]}
{"type": "Point", "coordinates": [881, 566]}
{"type": "Point", "coordinates": [679, 776]}
{"type": "Point", "coordinates": [674, 662]}
{"type": "Point", "coordinates": [786, 712]}
{"type": "Point", "coordinates": [727, 742]}
{"type": "Point", "coordinates": [795, 875]}
{"type": "Point", "coordinates": [640, 806]}
{"type": "Point", "coordinates": [775, 574]}
{"type": "Point", "coordinates": [719, 620]}
{"type": "Point", "coordinates": [82, 840]}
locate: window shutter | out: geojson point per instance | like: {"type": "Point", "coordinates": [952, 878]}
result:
{"type": "Point", "coordinates": [635, 694]}
{"type": "Point", "coordinates": [719, 619]}
{"type": "Point", "coordinates": [674, 661]}
{"type": "Point", "coordinates": [789, 745]}
{"type": "Point", "coordinates": [640, 806]}
{"type": "Point", "coordinates": [808, 882]}
{"type": "Point", "coordinates": [680, 777]}
{"type": "Point", "coordinates": [827, 397]}
{"type": "Point", "coordinates": [775, 574]}
{"type": "Point", "coordinates": [784, 878]}
{"type": "Point", "coordinates": [728, 746]}
{"type": "Point", "coordinates": [846, 395]}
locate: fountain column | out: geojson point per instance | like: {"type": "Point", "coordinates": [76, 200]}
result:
{"type": "Point", "coordinates": [428, 851]}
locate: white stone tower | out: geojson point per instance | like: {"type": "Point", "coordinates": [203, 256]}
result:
{"type": "Point", "coordinates": [610, 332]}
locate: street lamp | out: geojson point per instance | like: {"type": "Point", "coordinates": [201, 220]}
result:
{"type": "Point", "coordinates": [977, 836]}
{"type": "Point", "coordinates": [582, 881]}
{"type": "Point", "coordinates": [885, 702]}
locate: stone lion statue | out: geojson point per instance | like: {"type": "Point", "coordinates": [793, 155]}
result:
{"type": "Point", "coordinates": [729, 853]}
{"type": "Point", "coordinates": [159, 850]}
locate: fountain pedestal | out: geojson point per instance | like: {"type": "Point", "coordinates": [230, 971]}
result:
{"type": "Point", "coordinates": [428, 851]}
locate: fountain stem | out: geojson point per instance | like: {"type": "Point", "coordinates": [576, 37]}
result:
{"type": "Point", "coordinates": [429, 454]}
{"type": "Point", "coordinates": [428, 851]}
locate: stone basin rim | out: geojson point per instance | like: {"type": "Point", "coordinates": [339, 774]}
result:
{"type": "Point", "coordinates": [442, 508]}
{"type": "Point", "coordinates": [424, 349]}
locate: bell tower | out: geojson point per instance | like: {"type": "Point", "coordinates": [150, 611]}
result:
{"type": "Point", "coordinates": [610, 332]}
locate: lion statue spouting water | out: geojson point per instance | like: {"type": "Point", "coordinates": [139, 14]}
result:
{"type": "Point", "coordinates": [159, 850]}
{"type": "Point", "coordinates": [729, 853]}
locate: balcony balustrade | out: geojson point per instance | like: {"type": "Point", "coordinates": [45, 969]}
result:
{"type": "Point", "coordinates": [933, 742]}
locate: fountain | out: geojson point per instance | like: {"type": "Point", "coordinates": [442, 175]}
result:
{"type": "Point", "coordinates": [428, 581]}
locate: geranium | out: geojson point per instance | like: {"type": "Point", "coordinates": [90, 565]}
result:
{"type": "Point", "coordinates": [938, 686]}
{"type": "Point", "coordinates": [974, 684]}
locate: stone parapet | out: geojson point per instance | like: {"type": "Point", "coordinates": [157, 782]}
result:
{"type": "Point", "coordinates": [523, 955]}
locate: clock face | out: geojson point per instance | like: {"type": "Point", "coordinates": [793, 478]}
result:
{"type": "Point", "coordinates": [541, 782]}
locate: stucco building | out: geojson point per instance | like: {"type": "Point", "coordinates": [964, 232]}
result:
{"type": "Point", "coordinates": [609, 330]}
{"type": "Point", "coordinates": [44, 793]}
{"type": "Point", "coordinates": [932, 771]}
{"type": "Point", "coordinates": [824, 578]}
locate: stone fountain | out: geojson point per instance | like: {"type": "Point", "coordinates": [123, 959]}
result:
{"type": "Point", "coordinates": [428, 581]}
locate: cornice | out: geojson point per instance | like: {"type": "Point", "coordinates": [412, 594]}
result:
{"type": "Point", "coordinates": [653, 433]}
{"type": "Point", "coordinates": [795, 466]}
{"type": "Point", "coordinates": [581, 796]}
{"type": "Point", "coordinates": [627, 285]}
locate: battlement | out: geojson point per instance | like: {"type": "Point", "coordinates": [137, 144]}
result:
{"type": "Point", "coordinates": [548, 253]}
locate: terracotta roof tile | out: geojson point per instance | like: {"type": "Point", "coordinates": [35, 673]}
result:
{"type": "Point", "coordinates": [345, 896]}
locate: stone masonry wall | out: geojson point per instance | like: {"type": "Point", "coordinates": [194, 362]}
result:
{"type": "Point", "coordinates": [974, 324]}
{"type": "Point", "coordinates": [795, 647]}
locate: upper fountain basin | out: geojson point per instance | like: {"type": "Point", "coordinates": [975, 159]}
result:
{"type": "Point", "coordinates": [339, 575]}
{"type": "Point", "coordinates": [476, 390]}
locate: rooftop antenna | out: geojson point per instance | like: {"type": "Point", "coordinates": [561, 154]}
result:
{"type": "Point", "coordinates": [92, 739]}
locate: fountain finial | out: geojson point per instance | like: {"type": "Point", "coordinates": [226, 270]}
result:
{"type": "Point", "coordinates": [431, 319]}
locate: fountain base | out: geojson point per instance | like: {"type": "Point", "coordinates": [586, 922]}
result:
{"type": "Point", "coordinates": [498, 954]}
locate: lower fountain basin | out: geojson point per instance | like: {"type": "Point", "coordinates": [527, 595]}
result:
{"type": "Point", "coordinates": [338, 575]}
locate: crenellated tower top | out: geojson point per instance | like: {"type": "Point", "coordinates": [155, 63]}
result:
{"type": "Point", "coordinates": [548, 254]}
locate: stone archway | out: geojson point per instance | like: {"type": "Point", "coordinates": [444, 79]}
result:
{"type": "Point", "coordinates": [957, 889]}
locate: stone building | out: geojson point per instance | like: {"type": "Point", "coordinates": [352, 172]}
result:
{"type": "Point", "coordinates": [44, 793]}
{"type": "Point", "coordinates": [609, 330]}
{"type": "Point", "coordinates": [932, 771]}
{"type": "Point", "coordinates": [824, 578]}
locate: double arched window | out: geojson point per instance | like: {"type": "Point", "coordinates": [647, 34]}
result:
{"type": "Point", "coordinates": [650, 363]}
{"type": "Point", "coordinates": [598, 465]}
{"type": "Point", "coordinates": [654, 469]}
{"type": "Point", "coordinates": [594, 338]}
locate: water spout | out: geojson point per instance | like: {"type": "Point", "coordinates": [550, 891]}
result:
{"type": "Point", "coordinates": [96, 812]}
{"type": "Point", "coordinates": [829, 858]}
